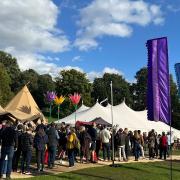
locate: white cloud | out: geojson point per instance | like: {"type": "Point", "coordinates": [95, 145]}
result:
{"type": "Point", "coordinates": [113, 18]}
{"type": "Point", "coordinates": [38, 63]}
{"type": "Point", "coordinates": [28, 29]}
{"type": "Point", "coordinates": [76, 58]}
{"type": "Point", "coordinates": [94, 74]}
{"type": "Point", "coordinates": [112, 71]}
{"type": "Point", "coordinates": [30, 25]}
{"type": "Point", "coordinates": [173, 8]}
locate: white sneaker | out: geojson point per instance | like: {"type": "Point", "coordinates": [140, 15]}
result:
{"type": "Point", "coordinates": [28, 173]}
{"type": "Point", "coordinates": [4, 176]}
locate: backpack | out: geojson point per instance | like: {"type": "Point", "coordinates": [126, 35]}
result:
{"type": "Point", "coordinates": [76, 143]}
{"type": "Point", "coordinates": [164, 141]}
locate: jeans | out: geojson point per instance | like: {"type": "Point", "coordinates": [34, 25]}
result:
{"type": "Point", "coordinates": [26, 159]}
{"type": "Point", "coordinates": [136, 150]}
{"type": "Point", "coordinates": [9, 152]}
{"type": "Point", "coordinates": [98, 147]}
{"type": "Point", "coordinates": [168, 150]}
{"type": "Point", "coordinates": [40, 158]}
{"type": "Point", "coordinates": [16, 159]}
{"type": "Point", "coordinates": [52, 155]}
{"type": "Point", "coordinates": [71, 157]}
{"type": "Point", "coordinates": [163, 150]}
{"type": "Point", "coordinates": [121, 149]}
{"type": "Point", "coordinates": [106, 148]}
{"type": "Point", "coordinates": [151, 152]}
{"type": "Point", "coordinates": [142, 150]}
{"type": "Point", "coordinates": [4, 167]}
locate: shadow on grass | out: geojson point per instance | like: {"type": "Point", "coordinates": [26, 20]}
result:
{"type": "Point", "coordinates": [90, 175]}
{"type": "Point", "coordinates": [62, 176]}
{"type": "Point", "coordinates": [67, 176]}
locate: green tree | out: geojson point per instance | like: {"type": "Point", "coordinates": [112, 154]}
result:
{"type": "Point", "coordinates": [30, 76]}
{"type": "Point", "coordinates": [139, 90]}
{"type": "Point", "coordinates": [101, 88]}
{"type": "Point", "coordinates": [5, 90]}
{"type": "Point", "coordinates": [12, 68]}
{"type": "Point", "coordinates": [45, 83]}
{"type": "Point", "coordinates": [175, 104]}
{"type": "Point", "coordinates": [71, 81]}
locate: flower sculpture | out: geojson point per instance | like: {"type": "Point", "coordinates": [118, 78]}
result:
{"type": "Point", "coordinates": [50, 96]}
{"type": "Point", "coordinates": [58, 101]}
{"type": "Point", "coordinates": [75, 100]}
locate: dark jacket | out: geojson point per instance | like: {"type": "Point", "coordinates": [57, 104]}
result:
{"type": "Point", "coordinates": [93, 133]}
{"type": "Point", "coordinates": [84, 137]}
{"type": "Point", "coordinates": [62, 139]}
{"type": "Point", "coordinates": [120, 139]}
{"type": "Point", "coordinates": [19, 135]}
{"type": "Point", "coordinates": [40, 141]}
{"type": "Point", "coordinates": [52, 136]}
{"type": "Point", "coordinates": [8, 137]}
{"type": "Point", "coordinates": [26, 142]}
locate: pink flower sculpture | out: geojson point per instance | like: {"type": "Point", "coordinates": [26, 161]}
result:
{"type": "Point", "coordinates": [75, 98]}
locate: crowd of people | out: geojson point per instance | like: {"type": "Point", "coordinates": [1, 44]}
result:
{"type": "Point", "coordinates": [51, 142]}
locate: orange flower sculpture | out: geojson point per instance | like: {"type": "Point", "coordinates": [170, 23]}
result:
{"type": "Point", "coordinates": [59, 100]}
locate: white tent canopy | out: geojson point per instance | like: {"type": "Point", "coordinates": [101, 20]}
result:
{"type": "Point", "coordinates": [123, 116]}
{"type": "Point", "coordinates": [82, 108]}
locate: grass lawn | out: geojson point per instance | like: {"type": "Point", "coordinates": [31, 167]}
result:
{"type": "Point", "coordinates": [176, 152]}
{"type": "Point", "coordinates": [52, 119]}
{"type": "Point", "coordinates": [132, 171]}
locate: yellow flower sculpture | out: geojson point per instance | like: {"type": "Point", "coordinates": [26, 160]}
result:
{"type": "Point", "coordinates": [59, 100]}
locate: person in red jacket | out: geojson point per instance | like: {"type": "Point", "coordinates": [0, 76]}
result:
{"type": "Point", "coordinates": [163, 145]}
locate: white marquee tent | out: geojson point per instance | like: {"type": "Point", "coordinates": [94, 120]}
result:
{"type": "Point", "coordinates": [124, 117]}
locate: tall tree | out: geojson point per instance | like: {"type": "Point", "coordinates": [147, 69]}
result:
{"type": "Point", "coordinates": [71, 81]}
{"type": "Point", "coordinates": [12, 68]}
{"type": "Point", "coordinates": [5, 90]}
{"type": "Point", "coordinates": [175, 104]}
{"type": "Point", "coordinates": [30, 76]}
{"type": "Point", "coordinates": [45, 83]}
{"type": "Point", "coordinates": [101, 88]}
{"type": "Point", "coordinates": [139, 90]}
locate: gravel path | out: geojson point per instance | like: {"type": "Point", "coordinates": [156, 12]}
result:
{"type": "Point", "coordinates": [64, 167]}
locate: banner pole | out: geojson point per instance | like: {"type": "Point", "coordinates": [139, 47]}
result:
{"type": "Point", "coordinates": [170, 153]}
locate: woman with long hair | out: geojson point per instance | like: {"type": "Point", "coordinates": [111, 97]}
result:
{"type": "Point", "coordinates": [136, 145]}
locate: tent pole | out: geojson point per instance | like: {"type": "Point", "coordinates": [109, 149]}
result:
{"type": "Point", "coordinates": [112, 124]}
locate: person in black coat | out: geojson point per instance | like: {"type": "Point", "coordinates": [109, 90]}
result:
{"type": "Point", "coordinates": [27, 147]}
{"type": "Point", "coordinates": [40, 143]}
{"type": "Point", "coordinates": [85, 140]}
{"type": "Point", "coordinates": [17, 154]}
{"type": "Point", "coordinates": [9, 142]}
{"type": "Point", "coordinates": [53, 137]}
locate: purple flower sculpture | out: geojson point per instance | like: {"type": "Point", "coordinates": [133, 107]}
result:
{"type": "Point", "coordinates": [50, 96]}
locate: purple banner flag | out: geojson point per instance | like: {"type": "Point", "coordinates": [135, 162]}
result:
{"type": "Point", "coordinates": [158, 95]}
{"type": "Point", "coordinates": [177, 69]}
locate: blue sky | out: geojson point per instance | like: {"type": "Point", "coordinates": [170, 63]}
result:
{"type": "Point", "coordinates": [93, 36]}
